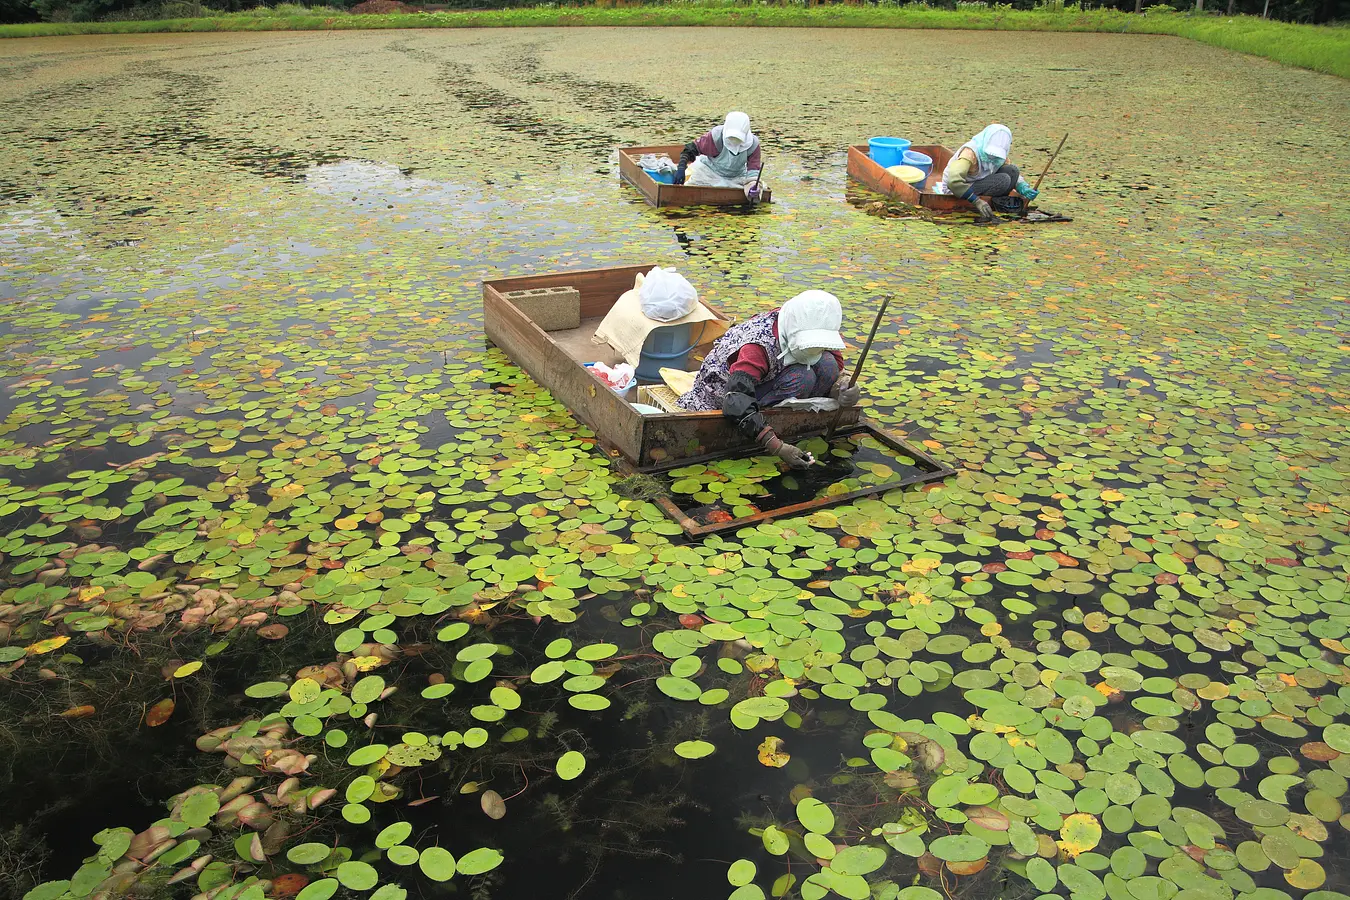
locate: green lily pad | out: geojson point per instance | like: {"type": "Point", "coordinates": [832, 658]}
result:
{"type": "Point", "coordinates": [437, 863]}
{"type": "Point", "coordinates": [570, 765]}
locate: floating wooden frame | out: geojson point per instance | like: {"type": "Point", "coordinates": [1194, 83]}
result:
{"type": "Point", "coordinates": [932, 470]}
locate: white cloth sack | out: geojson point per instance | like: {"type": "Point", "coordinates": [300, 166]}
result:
{"type": "Point", "coordinates": [666, 295]}
{"type": "Point", "coordinates": [625, 327]}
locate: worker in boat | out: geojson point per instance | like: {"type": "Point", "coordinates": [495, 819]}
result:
{"type": "Point", "coordinates": [981, 169]}
{"type": "Point", "coordinates": [786, 353]}
{"type": "Point", "coordinates": [726, 156]}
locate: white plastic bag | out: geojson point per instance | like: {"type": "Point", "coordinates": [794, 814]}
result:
{"type": "Point", "coordinates": [662, 163]}
{"type": "Point", "coordinates": [809, 404]}
{"type": "Point", "coordinates": [666, 295]}
{"type": "Point", "coordinates": [618, 378]}
{"type": "Point", "coordinates": [700, 174]}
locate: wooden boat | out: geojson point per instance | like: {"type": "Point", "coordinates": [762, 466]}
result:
{"type": "Point", "coordinates": [658, 194]}
{"type": "Point", "coordinates": [862, 168]}
{"type": "Point", "coordinates": [655, 443]}
{"type": "Point", "coordinates": [556, 360]}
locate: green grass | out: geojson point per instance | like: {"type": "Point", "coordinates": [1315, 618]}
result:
{"type": "Point", "coordinates": [1320, 48]}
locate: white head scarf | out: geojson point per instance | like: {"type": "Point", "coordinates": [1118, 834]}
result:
{"type": "Point", "coordinates": [991, 146]}
{"type": "Point", "coordinates": [808, 324]}
{"type": "Point", "coordinates": [736, 131]}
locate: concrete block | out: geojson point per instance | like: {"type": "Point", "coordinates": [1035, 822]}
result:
{"type": "Point", "coordinates": [552, 309]}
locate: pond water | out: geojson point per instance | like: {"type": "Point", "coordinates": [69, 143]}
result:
{"type": "Point", "coordinates": [307, 590]}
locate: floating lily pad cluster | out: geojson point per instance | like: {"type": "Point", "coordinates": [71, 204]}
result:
{"type": "Point", "coordinates": [248, 415]}
{"type": "Point", "coordinates": [737, 488]}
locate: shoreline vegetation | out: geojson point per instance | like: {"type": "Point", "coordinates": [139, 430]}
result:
{"type": "Point", "coordinates": [1320, 48]}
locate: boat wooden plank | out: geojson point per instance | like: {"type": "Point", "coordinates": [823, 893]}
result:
{"type": "Point", "coordinates": [548, 364]}
{"type": "Point", "coordinates": [658, 194]}
{"type": "Point", "coordinates": [648, 442]}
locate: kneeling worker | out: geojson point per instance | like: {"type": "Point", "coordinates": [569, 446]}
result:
{"type": "Point", "coordinates": [981, 169]}
{"type": "Point", "coordinates": [786, 353]}
{"type": "Point", "coordinates": [726, 156]}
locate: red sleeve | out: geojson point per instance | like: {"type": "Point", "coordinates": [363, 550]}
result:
{"type": "Point", "coordinates": [752, 360]}
{"type": "Point", "coordinates": [706, 145]}
{"type": "Point", "coordinates": [839, 358]}
{"type": "Point", "coordinates": [754, 162]}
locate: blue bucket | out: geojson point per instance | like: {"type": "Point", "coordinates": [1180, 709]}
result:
{"type": "Point", "coordinates": [921, 161]}
{"type": "Point", "coordinates": [661, 177]}
{"type": "Point", "coordinates": [887, 151]}
{"type": "Point", "coordinates": [666, 347]}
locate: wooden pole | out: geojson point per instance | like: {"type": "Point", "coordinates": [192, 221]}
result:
{"type": "Point", "coordinates": [862, 358]}
{"type": "Point", "coordinates": [1037, 185]}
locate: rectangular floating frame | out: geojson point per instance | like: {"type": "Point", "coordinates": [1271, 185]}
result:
{"type": "Point", "coordinates": [932, 470]}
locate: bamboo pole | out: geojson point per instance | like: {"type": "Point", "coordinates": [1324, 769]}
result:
{"type": "Point", "coordinates": [862, 358]}
{"type": "Point", "coordinates": [1037, 185]}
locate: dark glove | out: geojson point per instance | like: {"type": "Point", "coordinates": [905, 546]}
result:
{"type": "Point", "coordinates": [788, 453]}
{"type": "Point", "coordinates": [679, 173]}
{"type": "Point", "coordinates": [739, 404]}
{"type": "Point", "coordinates": [985, 210]}
{"type": "Point", "coordinates": [847, 394]}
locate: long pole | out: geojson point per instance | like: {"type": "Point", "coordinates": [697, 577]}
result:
{"type": "Point", "coordinates": [1037, 185]}
{"type": "Point", "coordinates": [862, 358]}
{"type": "Point", "coordinates": [754, 191]}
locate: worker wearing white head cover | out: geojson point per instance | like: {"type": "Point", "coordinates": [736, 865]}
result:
{"type": "Point", "coordinates": [792, 352]}
{"type": "Point", "coordinates": [808, 325]}
{"type": "Point", "coordinates": [726, 156]}
{"type": "Point", "coordinates": [981, 169]}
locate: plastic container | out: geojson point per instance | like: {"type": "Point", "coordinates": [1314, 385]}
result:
{"type": "Point", "coordinates": [661, 177]}
{"type": "Point", "coordinates": [887, 151]}
{"type": "Point", "coordinates": [909, 175]}
{"type": "Point", "coordinates": [921, 161]}
{"type": "Point", "coordinates": [666, 347]}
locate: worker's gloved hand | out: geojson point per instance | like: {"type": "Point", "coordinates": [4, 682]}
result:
{"type": "Point", "coordinates": [794, 456]}
{"type": "Point", "coordinates": [788, 453]}
{"type": "Point", "coordinates": [847, 394]}
{"type": "Point", "coordinates": [679, 172]}
{"type": "Point", "coordinates": [985, 210]}
{"type": "Point", "coordinates": [751, 192]}
{"type": "Point", "coordinates": [1028, 192]}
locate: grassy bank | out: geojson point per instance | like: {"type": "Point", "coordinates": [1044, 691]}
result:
{"type": "Point", "coordinates": [1320, 48]}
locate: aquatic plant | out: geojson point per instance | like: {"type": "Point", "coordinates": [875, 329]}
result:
{"type": "Point", "coordinates": [306, 591]}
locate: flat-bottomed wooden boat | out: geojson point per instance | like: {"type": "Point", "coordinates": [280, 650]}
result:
{"type": "Point", "coordinates": [556, 360]}
{"type": "Point", "coordinates": [862, 168]}
{"type": "Point", "coordinates": [658, 194]}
